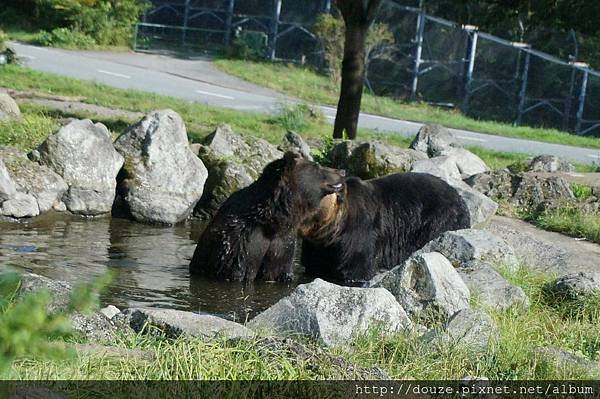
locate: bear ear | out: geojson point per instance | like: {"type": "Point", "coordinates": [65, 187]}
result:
{"type": "Point", "coordinates": [291, 158]}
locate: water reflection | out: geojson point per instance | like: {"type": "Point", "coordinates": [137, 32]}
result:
{"type": "Point", "coordinates": [149, 263]}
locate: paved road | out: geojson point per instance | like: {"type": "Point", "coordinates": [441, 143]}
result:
{"type": "Point", "coordinates": [197, 80]}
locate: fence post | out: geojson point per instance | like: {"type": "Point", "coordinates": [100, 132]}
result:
{"type": "Point", "coordinates": [327, 6]}
{"type": "Point", "coordinates": [524, 78]}
{"type": "Point", "coordinates": [418, 51]}
{"type": "Point", "coordinates": [581, 105]}
{"type": "Point", "coordinates": [274, 28]}
{"type": "Point", "coordinates": [471, 52]}
{"type": "Point", "coordinates": [569, 101]}
{"type": "Point", "coordinates": [228, 20]}
{"type": "Point", "coordinates": [186, 13]}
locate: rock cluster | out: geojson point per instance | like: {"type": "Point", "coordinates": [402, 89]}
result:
{"type": "Point", "coordinates": [151, 168]}
{"type": "Point", "coordinates": [452, 163]}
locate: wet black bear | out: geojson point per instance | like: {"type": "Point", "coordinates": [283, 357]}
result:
{"type": "Point", "coordinates": [376, 224]}
{"type": "Point", "coordinates": [253, 234]}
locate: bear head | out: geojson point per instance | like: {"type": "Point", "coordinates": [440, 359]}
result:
{"type": "Point", "coordinates": [316, 190]}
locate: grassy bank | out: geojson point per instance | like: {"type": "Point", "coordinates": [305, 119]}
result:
{"type": "Point", "coordinates": [570, 220]}
{"type": "Point", "coordinates": [200, 119]}
{"type": "Point", "coordinates": [306, 84]}
{"type": "Point", "coordinates": [547, 322]}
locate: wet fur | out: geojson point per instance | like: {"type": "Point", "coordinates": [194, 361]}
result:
{"type": "Point", "coordinates": [253, 234]}
{"type": "Point", "coordinates": [378, 223]}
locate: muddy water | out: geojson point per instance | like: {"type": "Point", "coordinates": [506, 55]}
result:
{"type": "Point", "coordinates": [150, 263]}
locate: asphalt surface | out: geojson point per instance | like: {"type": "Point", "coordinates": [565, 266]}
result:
{"type": "Point", "coordinates": [198, 80]}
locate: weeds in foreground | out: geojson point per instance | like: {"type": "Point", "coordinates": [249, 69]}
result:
{"type": "Point", "coordinates": [544, 323]}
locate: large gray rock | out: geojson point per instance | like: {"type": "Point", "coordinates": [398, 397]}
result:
{"type": "Point", "coordinates": [434, 140]}
{"type": "Point", "coordinates": [175, 323]}
{"type": "Point", "coordinates": [8, 107]}
{"type": "Point", "coordinates": [467, 163]}
{"type": "Point", "coordinates": [576, 285]}
{"type": "Point", "coordinates": [427, 287]}
{"type": "Point", "coordinates": [21, 205]}
{"type": "Point", "coordinates": [444, 165]}
{"type": "Point", "coordinates": [7, 186]}
{"type": "Point", "coordinates": [83, 154]}
{"type": "Point", "coordinates": [332, 314]}
{"type": "Point", "coordinates": [471, 329]}
{"type": "Point", "coordinates": [225, 176]}
{"type": "Point", "coordinates": [541, 192]}
{"type": "Point", "coordinates": [464, 246]}
{"type": "Point", "coordinates": [549, 163]}
{"type": "Point", "coordinates": [457, 164]}
{"type": "Point", "coordinates": [565, 361]}
{"type": "Point", "coordinates": [34, 179]}
{"type": "Point", "coordinates": [94, 326]}
{"type": "Point", "coordinates": [253, 153]}
{"type": "Point", "coordinates": [497, 184]}
{"type": "Point", "coordinates": [490, 288]}
{"type": "Point", "coordinates": [293, 142]}
{"type": "Point", "coordinates": [481, 208]}
{"type": "Point", "coordinates": [163, 179]}
{"type": "Point", "coordinates": [372, 159]}
{"type": "Point", "coordinates": [233, 162]}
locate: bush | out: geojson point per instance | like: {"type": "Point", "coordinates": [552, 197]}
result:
{"type": "Point", "coordinates": [28, 330]}
{"type": "Point", "coordinates": [106, 22]}
{"type": "Point", "coordinates": [330, 31]}
{"type": "Point", "coordinates": [64, 37]}
{"type": "Point", "coordinates": [248, 45]}
{"type": "Point", "coordinates": [297, 117]}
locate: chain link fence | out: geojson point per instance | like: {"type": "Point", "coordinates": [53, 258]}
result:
{"type": "Point", "coordinates": [432, 59]}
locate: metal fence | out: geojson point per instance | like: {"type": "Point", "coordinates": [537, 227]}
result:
{"type": "Point", "coordinates": [432, 59]}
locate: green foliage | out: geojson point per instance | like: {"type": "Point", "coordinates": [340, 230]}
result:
{"type": "Point", "coordinates": [27, 132]}
{"type": "Point", "coordinates": [63, 37]}
{"type": "Point", "coordinates": [3, 40]}
{"type": "Point", "coordinates": [25, 325]}
{"type": "Point", "coordinates": [248, 45]}
{"type": "Point", "coordinates": [581, 191]}
{"type": "Point", "coordinates": [321, 155]}
{"type": "Point", "coordinates": [297, 117]}
{"type": "Point", "coordinates": [330, 31]}
{"type": "Point", "coordinates": [78, 23]}
{"type": "Point", "coordinates": [28, 330]}
{"type": "Point", "coordinates": [570, 219]}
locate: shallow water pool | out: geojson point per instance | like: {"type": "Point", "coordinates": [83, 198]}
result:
{"type": "Point", "coordinates": [150, 263]}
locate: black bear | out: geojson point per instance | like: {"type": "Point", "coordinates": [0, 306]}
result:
{"type": "Point", "coordinates": [376, 224]}
{"type": "Point", "coordinates": [253, 234]}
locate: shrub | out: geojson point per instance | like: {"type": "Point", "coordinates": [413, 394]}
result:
{"type": "Point", "coordinates": [297, 117]}
{"type": "Point", "coordinates": [3, 40]}
{"type": "Point", "coordinates": [248, 45]}
{"type": "Point", "coordinates": [64, 37]}
{"type": "Point", "coordinates": [28, 330]}
{"type": "Point", "coordinates": [330, 31]}
{"type": "Point", "coordinates": [106, 22]}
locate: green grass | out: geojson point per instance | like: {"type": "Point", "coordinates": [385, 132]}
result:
{"type": "Point", "coordinates": [581, 191]}
{"type": "Point", "coordinates": [570, 220]}
{"type": "Point", "coordinates": [28, 132]}
{"type": "Point", "coordinates": [402, 356]}
{"type": "Point", "coordinates": [306, 84]}
{"type": "Point", "coordinates": [200, 119]}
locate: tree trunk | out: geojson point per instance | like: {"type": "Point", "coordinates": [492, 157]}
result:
{"type": "Point", "coordinates": [353, 75]}
{"type": "Point", "coordinates": [358, 16]}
